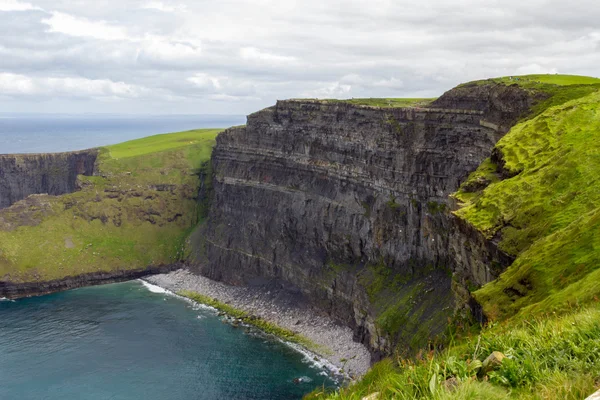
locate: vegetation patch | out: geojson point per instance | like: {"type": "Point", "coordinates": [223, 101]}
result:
{"type": "Point", "coordinates": [548, 213]}
{"type": "Point", "coordinates": [550, 357]}
{"type": "Point", "coordinates": [256, 321]}
{"type": "Point", "coordinates": [136, 212]}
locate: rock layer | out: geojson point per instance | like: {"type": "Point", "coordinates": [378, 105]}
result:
{"type": "Point", "coordinates": [12, 290]}
{"type": "Point", "coordinates": [22, 175]}
{"type": "Point", "coordinates": [351, 205]}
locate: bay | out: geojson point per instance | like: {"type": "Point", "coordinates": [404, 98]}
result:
{"type": "Point", "coordinates": [124, 342]}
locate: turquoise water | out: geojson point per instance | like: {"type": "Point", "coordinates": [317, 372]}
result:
{"type": "Point", "coordinates": [123, 341]}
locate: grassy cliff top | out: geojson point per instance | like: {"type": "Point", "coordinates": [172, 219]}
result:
{"type": "Point", "coordinates": [537, 79]}
{"type": "Point", "coordinates": [389, 102]}
{"type": "Point", "coordinates": [378, 102]}
{"type": "Point", "coordinates": [135, 213]}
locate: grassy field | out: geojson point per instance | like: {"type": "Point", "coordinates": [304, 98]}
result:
{"type": "Point", "coordinates": [137, 212]}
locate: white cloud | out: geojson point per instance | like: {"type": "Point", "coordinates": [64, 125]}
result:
{"type": "Point", "coordinates": [205, 81]}
{"type": "Point", "coordinates": [162, 50]}
{"type": "Point", "coordinates": [160, 6]}
{"type": "Point", "coordinates": [15, 5]}
{"type": "Point", "coordinates": [198, 55]}
{"type": "Point", "coordinates": [329, 91]}
{"type": "Point", "coordinates": [535, 69]}
{"type": "Point", "coordinates": [82, 27]}
{"type": "Point", "coordinates": [254, 54]}
{"type": "Point", "coordinates": [21, 85]}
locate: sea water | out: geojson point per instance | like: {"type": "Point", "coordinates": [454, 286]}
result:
{"type": "Point", "coordinates": [38, 133]}
{"type": "Point", "coordinates": [123, 341]}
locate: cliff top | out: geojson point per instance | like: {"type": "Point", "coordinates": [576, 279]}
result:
{"type": "Point", "coordinates": [383, 102]}
{"type": "Point", "coordinates": [134, 212]}
{"type": "Point", "coordinates": [541, 82]}
{"type": "Point", "coordinates": [539, 79]}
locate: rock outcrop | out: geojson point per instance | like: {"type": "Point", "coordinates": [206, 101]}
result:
{"type": "Point", "coordinates": [351, 205]}
{"type": "Point", "coordinates": [22, 175]}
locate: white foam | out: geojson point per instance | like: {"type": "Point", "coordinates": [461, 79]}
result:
{"type": "Point", "coordinates": [5, 299]}
{"type": "Point", "coordinates": [157, 289]}
{"type": "Point", "coordinates": [153, 288]}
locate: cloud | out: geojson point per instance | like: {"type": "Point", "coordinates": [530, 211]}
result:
{"type": "Point", "coordinates": [21, 85]}
{"type": "Point", "coordinates": [329, 91]}
{"type": "Point", "coordinates": [159, 50]}
{"type": "Point", "coordinates": [235, 56]}
{"type": "Point", "coordinates": [82, 27]}
{"type": "Point", "coordinates": [15, 5]}
{"type": "Point", "coordinates": [254, 54]}
{"type": "Point", "coordinates": [160, 6]}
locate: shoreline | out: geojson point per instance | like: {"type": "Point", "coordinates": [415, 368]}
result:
{"type": "Point", "coordinates": [12, 291]}
{"type": "Point", "coordinates": [334, 342]}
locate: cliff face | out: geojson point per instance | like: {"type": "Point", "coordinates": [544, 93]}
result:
{"type": "Point", "coordinates": [350, 204]}
{"type": "Point", "coordinates": [22, 175]}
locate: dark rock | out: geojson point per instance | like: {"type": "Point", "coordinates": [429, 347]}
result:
{"type": "Point", "coordinates": [349, 204]}
{"type": "Point", "coordinates": [13, 290]}
{"type": "Point", "coordinates": [22, 175]}
{"type": "Point", "coordinates": [493, 361]}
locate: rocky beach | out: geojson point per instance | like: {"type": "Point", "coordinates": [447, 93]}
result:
{"type": "Point", "coordinates": [283, 308]}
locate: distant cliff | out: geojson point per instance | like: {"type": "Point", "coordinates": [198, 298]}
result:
{"type": "Point", "coordinates": [351, 204]}
{"type": "Point", "coordinates": [97, 216]}
{"type": "Point", "coordinates": [55, 174]}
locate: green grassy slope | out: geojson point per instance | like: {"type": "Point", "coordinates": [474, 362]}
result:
{"type": "Point", "coordinates": [136, 213]}
{"type": "Point", "coordinates": [547, 358]}
{"type": "Point", "coordinates": [548, 213]}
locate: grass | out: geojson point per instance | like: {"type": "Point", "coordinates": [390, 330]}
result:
{"type": "Point", "coordinates": [535, 79]}
{"type": "Point", "coordinates": [548, 213]}
{"type": "Point", "coordinates": [549, 357]}
{"type": "Point", "coordinates": [136, 213]}
{"type": "Point", "coordinates": [255, 321]}
{"type": "Point", "coordinates": [387, 102]}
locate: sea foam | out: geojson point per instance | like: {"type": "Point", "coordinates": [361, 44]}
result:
{"type": "Point", "coordinates": [153, 288]}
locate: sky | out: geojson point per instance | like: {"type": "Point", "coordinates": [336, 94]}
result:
{"type": "Point", "coordinates": [236, 57]}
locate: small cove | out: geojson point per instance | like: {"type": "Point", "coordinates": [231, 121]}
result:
{"type": "Point", "coordinates": [124, 341]}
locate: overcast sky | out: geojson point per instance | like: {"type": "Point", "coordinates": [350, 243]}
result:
{"type": "Point", "coordinates": [235, 56]}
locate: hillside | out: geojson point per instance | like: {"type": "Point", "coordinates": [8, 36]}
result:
{"type": "Point", "coordinates": [537, 198]}
{"type": "Point", "coordinates": [133, 213]}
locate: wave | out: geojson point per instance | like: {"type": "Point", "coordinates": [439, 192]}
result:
{"type": "Point", "coordinates": [153, 288]}
{"type": "Point", "coordinates": [5, 299]}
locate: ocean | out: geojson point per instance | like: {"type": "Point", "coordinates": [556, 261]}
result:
{"type": "Point", "coordinates": [125, 342]}
{"type": "Point", "coordinates": [55, 133]}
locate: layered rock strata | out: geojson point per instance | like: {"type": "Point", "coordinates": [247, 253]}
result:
{"type": "Point", "coordinates": [351, 205]}
{"type": "Point", "coordinates": [22, 175]}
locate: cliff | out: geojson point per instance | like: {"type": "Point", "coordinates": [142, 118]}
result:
{"type": "Point", "coordinates": [100, 215]}
{"type": "Point", "coordinates": [535, 200]}
{"type": "Point", "coordinates": [351, 204]}
{"type": "Point", "coordinates": [55, 174]}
